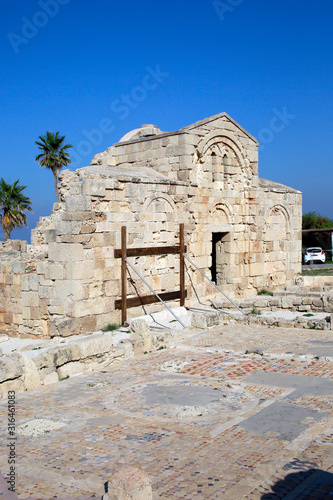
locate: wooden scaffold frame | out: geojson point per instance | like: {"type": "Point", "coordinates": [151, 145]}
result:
{"type": "Point", "coordinates": [124, 303]}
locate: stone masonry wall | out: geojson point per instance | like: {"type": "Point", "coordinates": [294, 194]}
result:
{"type": "Point", "coordinates": [242, 230]}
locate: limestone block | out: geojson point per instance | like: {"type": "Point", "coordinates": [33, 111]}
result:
{"type": "Point", "coordinates": [128, 348]}
{"type": "Point", "coordinates": [79, 216]}
{"type": "Point", "coordinates": [318, 303]}
{"type": "Point", "coordinates": [64, 289]}
{"type": "Point", "coordinates": [168, 281]}
{"type": "Point", "coordinates": [30, 299]}
{"type": "Point", "coordinates": [204, 320]}
{"type": "Point", "coordinates": [261, 302]}
{"type": "Point", "coordinates": [54, 272]}
{"type": "Point", "coordinates": [63, 355]}
{"type": "Point", "coordinates": [138, 347]}
{"type": "Point", "coordinates": [75, 188]}
{"type": "Point", "coordinates": [35, 313]}
{"type": "Point", "coordinates": [80, 270]}
{"type": "Point", "coordinates": [69, 227]}
{"type": "Point", "coordinates": [92, 346]}
{"type": "Point", "coordinates": [256, 269]}
{"type": "Point", "coordinates": [89, 228]}
{"type": "Point", "coordinates": [31, 376]}
{"type": "Point", "coordinates": [11, 385]}
{"type": "Point", "coordinates": [41, 266]}
{"type": "Point", "coordinates": [77, 203]}
{"type": "Point", "coordinates": [18, 267]}
{"type": "Point", "coordinates": [11, 367]}
{"type": "Point", "coordinates": [15, 291]}
{"type": "Point", "coordinates": [44, 292]}
{"type": "Point", "coordinates": [30, 282]}
{"type": "Point", "coordinates": [93, 187]}
{"type": "Point", "coordinates": [104, 239]}
{"type": "Point", "coordinates": [62, 252]}
{"type": "Point", "coordinates": [93, 306]}
{"type": "Point", "coordinates": [72, 326]}
{"type": "Point", "coordinates": [304, 308]}
{"type": "Point", "coordinates": [286, 303]}
{"type": "Point", "coordinates": [70, 369]}
{"type": "Point", "coordinates": [45, 360]}
{"type": "Point", "coordinates": [50, 235]}
{"type": "Point", "coordinates": [50, 378]}
{"type": "Point", "coordinates": [129, 483]}
{"type": "Point", "coordinates": [139, 331]}
{"type": "Point", "coordinates": [95, 289]}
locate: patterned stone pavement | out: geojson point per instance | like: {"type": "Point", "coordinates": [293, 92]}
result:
{"type": "Point", "coordinates": [235, 412]}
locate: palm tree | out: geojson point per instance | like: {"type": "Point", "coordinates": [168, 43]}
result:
{"type": "Point", "coordinates": [54, 155]}
{"type": "Point", "coordinates": [13, 204]}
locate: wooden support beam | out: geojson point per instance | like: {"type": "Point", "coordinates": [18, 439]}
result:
{"type": "Point", "coordinates": [147, 251]}
{"type": "Point", "coordinates": [148, 299]}
{"type": "Point", "coordinates": [182, 264]}
{"type": "Point", "coordinates": [123, 276]}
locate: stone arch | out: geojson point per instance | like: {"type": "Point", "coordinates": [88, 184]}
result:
{"type": "Point", "coordinates": [227, 157]}
{"type": "Point", "coordinates": [168, 203]}
{"type": "Point", "coordinates": [276, 245]}
{"type": "Point", "coordinates": [217, 137]}
{"type": "Point", "coordinates": [221, 213]}
{"type": "Point", "coordinates": [279, 208]}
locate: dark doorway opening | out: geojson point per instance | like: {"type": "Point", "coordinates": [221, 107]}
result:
{"type": "Point", "coordinates": [219, 258]}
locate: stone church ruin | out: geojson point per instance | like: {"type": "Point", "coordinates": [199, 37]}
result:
{"type": "Point", "coordinates": [242, 231]}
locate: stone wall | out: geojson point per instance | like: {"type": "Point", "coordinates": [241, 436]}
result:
{"type": "Point", "coordinates": [241, 230]}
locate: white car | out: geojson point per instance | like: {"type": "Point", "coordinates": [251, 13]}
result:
{"type": "Point", "coordinates": [314, 254]}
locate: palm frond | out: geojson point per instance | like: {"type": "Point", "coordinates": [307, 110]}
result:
{"type": "Point", "coordinates": [13, 204]}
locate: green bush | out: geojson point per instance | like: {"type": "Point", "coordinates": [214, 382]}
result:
{"type": "Point", "coordinates": [111, 327]}
{"type": "Point", "coordinates": [265, 292]}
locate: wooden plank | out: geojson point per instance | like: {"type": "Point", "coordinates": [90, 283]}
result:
{"type": "Point", "coordinates": [146, 251]}
{"type": "Point", "coordinates": [123, 276]}
{"type": "Point", "coordinates": [182, 264]}
{"type": "Point", "coordinates": [149, 299]}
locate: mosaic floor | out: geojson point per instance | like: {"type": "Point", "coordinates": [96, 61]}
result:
{"type": "Point", "coordinates": [236, 412]}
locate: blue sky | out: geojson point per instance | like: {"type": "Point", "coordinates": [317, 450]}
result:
{"type": "Point", "coordinates": [81, 67]}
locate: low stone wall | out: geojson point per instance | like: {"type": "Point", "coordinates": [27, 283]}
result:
{"type": "Point", "coordinates": [209, 319]}
{"type": "Point", "coordinates": [303, 300]}
{"type": "Point", "coordinates": [318, 281]}
{"type": "Point", "coordinates": [25, 369]}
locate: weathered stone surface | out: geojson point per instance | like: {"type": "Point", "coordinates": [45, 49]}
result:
{"type": "Point", "coordinates": [16, 385]}
{"type": "Point", "coordinates": [242, 231]}
{"type": "Point", "coordinates": [73, 326]}
{"type": "Point", "coordinates": [44, 360]}
{"type": "Point", "coordinates": [128, 348]}
{"type": "Point", "coordinates": [88, 347]}
{"type": "Point", "coordinates": [204, 320]}
{"type": "Point", "coordinates": [11, 367]}
{"type": "Point", "coordinates": [140, 332]}
{"type": "Point", "coordinates": [31, 377]}
{"type": "Point", "coordinates": [70, 369]}
{"type": "Point", "coordinates": [50, 378]}
{"type": "Point", "coordinates": [129, 483]}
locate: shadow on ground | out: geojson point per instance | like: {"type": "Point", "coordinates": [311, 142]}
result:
{"type": "Point", "coordinates": [303, 485]}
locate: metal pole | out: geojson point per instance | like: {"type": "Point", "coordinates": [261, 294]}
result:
{"type": "Point", "coordinates": [181, 265]}
{"type": "Point", "coordinates": [123, 276]}
{"type": "Point", "coordinates": [219, 289]}
{"type": "Point", "coordinates": [159, 298]}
